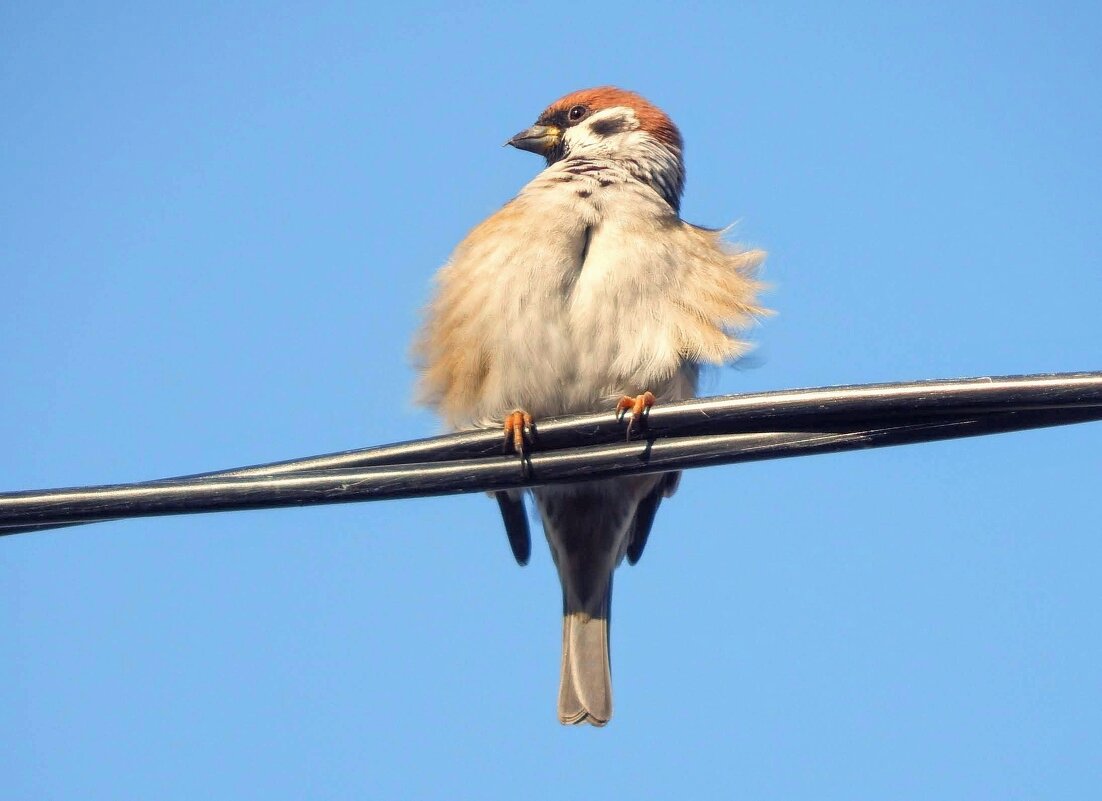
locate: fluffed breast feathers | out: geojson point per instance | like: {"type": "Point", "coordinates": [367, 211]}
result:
{"type": "Point", "coordinates": [601, 254]}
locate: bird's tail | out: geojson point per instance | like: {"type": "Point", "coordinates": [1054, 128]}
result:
{"type": "Point", "coordinates": [585, 688]}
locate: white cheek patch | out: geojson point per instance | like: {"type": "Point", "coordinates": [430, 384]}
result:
{"type": "Point", "coordinates": [601, 127]}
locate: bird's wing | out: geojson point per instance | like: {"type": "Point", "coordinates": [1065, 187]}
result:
{"type": "Point", "coordinates": [645, 512]}
{"type": "Point", "coordinates": [715, 288]}
{"type": "Point", "coordinates": [483, 299]}
{"type": "Point", "coordinates": [515, 516]}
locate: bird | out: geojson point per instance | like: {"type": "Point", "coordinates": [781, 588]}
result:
{"type": "Point", "coordinates": [586, 292]}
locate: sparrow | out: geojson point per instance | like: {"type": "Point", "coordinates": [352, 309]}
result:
{"type": "Point", "coordinates": [586, 292]}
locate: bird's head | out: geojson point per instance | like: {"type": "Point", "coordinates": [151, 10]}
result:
{"type": "Point", "coordinates": [611, 123]}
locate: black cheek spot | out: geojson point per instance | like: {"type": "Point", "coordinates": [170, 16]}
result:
{"type": "Point", "coordinates": [608, 127]}
{"type": "Point", "coordinates": [604, 182]}
{"type": "Point", "coordinates": [584, 193]}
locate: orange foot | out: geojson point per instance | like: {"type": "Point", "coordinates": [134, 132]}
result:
{"type": "Point", "coordinates": [518, 431]}
{"type": "Point", "coordinates": [639, 406]}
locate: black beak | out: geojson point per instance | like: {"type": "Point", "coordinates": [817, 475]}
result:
{"type": "Point", "coordinates": [541, 139]}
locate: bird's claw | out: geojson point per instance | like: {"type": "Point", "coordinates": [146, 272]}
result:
{"type": "Point", "coordinates": [518, 432]}
{"type": "Point", "coordinates": [638, 406]}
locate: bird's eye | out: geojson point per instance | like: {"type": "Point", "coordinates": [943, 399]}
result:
{"type": "Point", "coordinates": [576, 113]}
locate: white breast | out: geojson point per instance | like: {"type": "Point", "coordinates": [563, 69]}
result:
{"type": "Point", "coordinates": [585, 325]}
{"type": "Point", "coordinates": [585, 287]}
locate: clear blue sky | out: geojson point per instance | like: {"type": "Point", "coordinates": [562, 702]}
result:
{"type": "Point", "coordinates": [217, 228]}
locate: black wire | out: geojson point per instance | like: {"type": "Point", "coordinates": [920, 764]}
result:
{"type": "Point", "coordinates": [695, 433]}
{"type": "Point", "coordinates": [724, 414]}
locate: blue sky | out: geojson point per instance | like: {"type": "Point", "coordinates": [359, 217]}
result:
{"type": "Point", "coordinates": [217, 228]}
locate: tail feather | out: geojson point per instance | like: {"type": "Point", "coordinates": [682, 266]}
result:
{"type": "Point", "coordinates": [588, 527]}
{"type": "Point", "coordinates": [585, 687]}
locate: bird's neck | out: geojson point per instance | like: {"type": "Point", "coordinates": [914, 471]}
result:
{"type": "Point", "coordinates": [649, 161]}
{"type": "Point", "coordinates": [660, 168]}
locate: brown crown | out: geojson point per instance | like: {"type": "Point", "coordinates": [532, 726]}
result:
{"type": "Point", "coordinates": [651, 118]}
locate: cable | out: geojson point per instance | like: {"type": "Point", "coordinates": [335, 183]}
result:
{"type": "Point", "coordinates": [696, 433]}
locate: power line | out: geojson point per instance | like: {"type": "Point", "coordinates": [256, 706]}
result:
{"type": "Point", "coordinates": [677, 436]}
